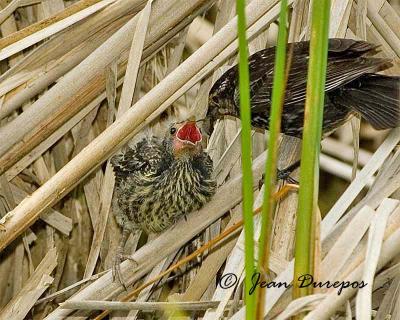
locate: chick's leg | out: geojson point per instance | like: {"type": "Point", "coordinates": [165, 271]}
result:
{"type": "Point", "coordinates": [119, 255]}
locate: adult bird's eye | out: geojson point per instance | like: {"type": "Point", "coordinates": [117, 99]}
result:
{"type": "Point", "coordinates": [172, 130]}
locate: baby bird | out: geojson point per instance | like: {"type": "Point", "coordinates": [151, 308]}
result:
{"type": "Point", "coordinates": [159, 181]}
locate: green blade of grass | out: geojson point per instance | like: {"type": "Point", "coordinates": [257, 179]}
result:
{"type": "Point", "coordinates": [247, 185]}
{"type": "Point", "coordinates": [308, 194]}
{"type": "Point", "coordinates": [278, 96]}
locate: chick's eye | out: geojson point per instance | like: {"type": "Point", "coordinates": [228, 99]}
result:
{"type": "Point", "coordinates": [172, 130]}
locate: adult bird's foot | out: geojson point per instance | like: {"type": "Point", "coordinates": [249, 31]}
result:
{"type": "Point", "coordinates": [261, 182]}
{"type": "Point", "coordinates": [283, 175]}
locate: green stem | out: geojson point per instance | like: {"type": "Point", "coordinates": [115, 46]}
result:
{"type": "Point", "coordinates": [244, 88]}
{"type": "Point", "coordinates": [278, 96]}
{"type": "Point", "coordinates": [309, 176]}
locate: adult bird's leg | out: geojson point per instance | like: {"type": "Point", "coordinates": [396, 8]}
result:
{"type": "Point", "coordinates": [119, 255]}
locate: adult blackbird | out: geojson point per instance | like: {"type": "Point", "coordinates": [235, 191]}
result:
{"type": "Point", "coordinates": [352, 87]}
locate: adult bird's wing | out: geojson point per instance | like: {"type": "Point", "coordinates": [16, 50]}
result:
{"type": "Point", "coordinates": [146, 158]}
{"type": "Point", "coordinates": [345, 63]}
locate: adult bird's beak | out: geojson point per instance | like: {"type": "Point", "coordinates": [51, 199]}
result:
{"type": "Point", "coordinates": [212, 116]}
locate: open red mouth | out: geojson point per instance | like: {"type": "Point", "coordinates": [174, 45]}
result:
{"type": "Point", "coordinates": [189, 132]}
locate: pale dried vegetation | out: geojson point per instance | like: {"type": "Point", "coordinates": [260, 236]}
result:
{"type": "Point", "coordinates": [69, 76]}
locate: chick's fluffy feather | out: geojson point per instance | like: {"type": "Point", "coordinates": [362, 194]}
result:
{"type": "Point", "coordinates": [154, 188]}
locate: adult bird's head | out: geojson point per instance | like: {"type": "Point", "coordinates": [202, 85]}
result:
{"type": "Point", "coordinates": [221, 101]}
{"type": "Point", "coordinates": [186, 138]}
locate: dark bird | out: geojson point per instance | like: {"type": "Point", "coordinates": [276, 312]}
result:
{"type": "Point", "coordinates": [352, 87]}
{"type": "Point", "coordinates": [160, 180]}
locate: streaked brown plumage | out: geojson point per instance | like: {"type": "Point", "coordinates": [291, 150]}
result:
{"type": "Point", "coordinates": [352, 87]}
{"type": "Point", "coordinates": [160, 180]}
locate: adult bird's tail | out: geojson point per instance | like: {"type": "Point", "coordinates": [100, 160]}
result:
{"type": "Point", "coordinates": [376, 97]}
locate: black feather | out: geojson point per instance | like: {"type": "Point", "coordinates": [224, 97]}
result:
{"type": "Point", "coordinates": [350, 88]}
{"type": "Point", "coordinates": [376, 98]}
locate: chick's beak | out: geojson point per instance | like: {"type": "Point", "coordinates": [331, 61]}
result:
{"type": "Point", "coordinates": [189, 133]}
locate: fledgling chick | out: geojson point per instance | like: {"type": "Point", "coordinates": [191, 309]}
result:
{"type": "Point", "coordinates": [159, 181]}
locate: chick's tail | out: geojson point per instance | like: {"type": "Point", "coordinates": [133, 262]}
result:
{"type": "Point", "coordinates": [376, 97]}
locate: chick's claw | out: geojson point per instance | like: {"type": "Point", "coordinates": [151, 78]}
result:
{"type": "Point", "coordinates": [119, 256]}
{"type": "Point", "coordinates": [116, 271]}
{"type": "Point", "coordinates": [132, 259]}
